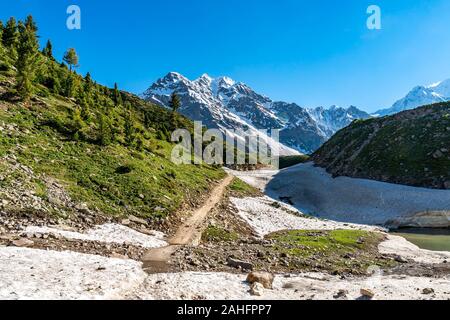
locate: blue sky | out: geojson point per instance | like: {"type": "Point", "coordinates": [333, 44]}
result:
{"type": "Point", "coordinates": [310, 52]}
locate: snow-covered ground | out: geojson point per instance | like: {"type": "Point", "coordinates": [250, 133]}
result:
{"type": "Point", "coordinates": [314, 191]}
{"type": "Point", "coordinates": [224, 286]}
{"type": "Point", "coordinates": [256, 178]}
{"type": "Point", "coordinates": [39, 274]}
{"type": "Point", "coordinates": [108, 233]}
{"type": "Point", "coordinates": [400, 246]}
{"type": "Point", "coordinates": [265, 217]}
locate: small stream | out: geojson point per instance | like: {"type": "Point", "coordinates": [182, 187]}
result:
{"type": "Point", "coordinates": [430, 239]}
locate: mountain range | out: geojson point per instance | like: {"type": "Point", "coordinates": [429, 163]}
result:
{"type": "Point", "coordinates": [229, 105]}
{"type": "Point", "coordinates": [408, 148]}
{"type": "Point", "coordinates": [420, 96]}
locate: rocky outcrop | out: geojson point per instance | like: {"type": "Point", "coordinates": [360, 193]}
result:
{"type": "Point", "coordinates": [428, 219]}
{"type": "Point", "coordinates": [23, 190]}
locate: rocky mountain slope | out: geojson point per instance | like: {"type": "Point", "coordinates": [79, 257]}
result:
{"type": "Point", "coordinates": [411, 148]}
{"type": "Point", "coordinates": [225, 104]}
{"type": "Point", "coordinates": [420, 96]}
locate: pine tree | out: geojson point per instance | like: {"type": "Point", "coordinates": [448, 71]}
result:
{"type": "Point", "coordinates": [77, 123]}
{"type": "Point", "coordinates": [1, 42]}
{"type": "Point", "coordinates": [10, 33]}
{"type": "Point", "coordinates": [58, 78]}
{"type": "Point", "coordinates": [10, 37]}
{"type": "Point", "coordinates": [82, 101]}
{"type": "Point", "coordinates": [71, 85]}
{"type": "Point", "coordinates": [175, 102]}
{"type": "Point", "coordinates": [129, 129]}
{"type": "Point", "coordinates": [139, 142]}
{"type": "Point", "coordinates": [117, 97]}
{"type": "Point", "coordinates": [48, 50]}
{"type": "Point", "coordinates": [88, 86]}
{"type": "Point", "coordinates": [28, 58]}
{"type": "Point", "coordinates": [147, 119]}
{"type": "Point", "coordinates": [104, 129]}
{"type": "Point", "coordinates": [71, 58]}
{"type": "Point", "coordinates": [30, 24]}
{"type": "Point", "coordinates": [50, 76]}
{"type": "Point", "coordinates": [88, 78]}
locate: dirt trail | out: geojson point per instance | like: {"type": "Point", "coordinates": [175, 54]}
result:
{"type": "Point", "coordinates": [156, 260]}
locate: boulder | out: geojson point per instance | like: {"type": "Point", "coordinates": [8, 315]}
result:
{"type": "Point", "coordinates": [118, 256]}
{"type": "Point", "coordinates": [54, 200]}
{"type": "Point", "coordinates": [137, 220]}
{"type": "Point", "coordinates": [438, 154]}
{"type": "Point", "coordinates": [427, 219]}
{"type": "Point", "coordinates": [447, 185]}
{"type": "Point", "coordinates": [265, 278]}
{"type": "Point", "coordinates": [82, 207]}
{"type": "Point", "coordinates": [428, 291]}
{"type": "Point", "coordinates": [367, 293]}
{"type": "Point", "coordinates": [400, 259]}
{"type": "Point", "coordinates": [23, 242]}
{"type": "Point", "coordinates": [7, 237]}
{"type": "Point", "coordinates": [341, 294]}
{"type": "Point", "coordinates": [125, 222]}
{"type": "Point", "coordinates": [234, 263]}
{"type": "Point", "coordinates": [256, 289]}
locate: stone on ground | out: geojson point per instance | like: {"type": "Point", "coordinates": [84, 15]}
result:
{"type": "Point", "coordinates": [265, 278]}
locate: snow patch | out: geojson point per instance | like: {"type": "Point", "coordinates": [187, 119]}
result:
{"type": "Point", "coordinates": [315, 192]}
{"type": "Point", "coordinates": [400, 246]}
{"type": "Point", "coordinates": [265, 216]}
{"type": "Point", "coordinates": [108, 233]}
{"type": "Point", "coordinates": [49, 275]}
{"type": "Point", "coordinates": [317, 286]}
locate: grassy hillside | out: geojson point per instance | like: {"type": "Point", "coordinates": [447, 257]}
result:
{"type": "Point", "coordinates": [107, 149]}
{"type": "Point", "coordinates": [411, 148]}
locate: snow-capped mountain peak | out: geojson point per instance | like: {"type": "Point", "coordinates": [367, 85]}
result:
{"type": "Point", "coordinates": [224, 82]}
{"type": "Point", "coordinates": [206, 77]}
{"type": "Point", "coordinates": [173, 77]}
{"type": "Point", "coordinates": [229, 105]}
{"type": "Point", "coordinates": [442, 88]}
{"type": "Point", "coordinates": [420, 96]}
